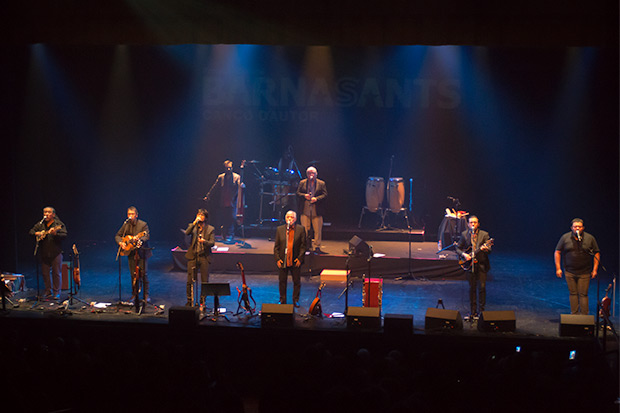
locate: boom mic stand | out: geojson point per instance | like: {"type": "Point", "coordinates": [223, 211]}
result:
{"type": "Point", "coordinates": [36, 261]}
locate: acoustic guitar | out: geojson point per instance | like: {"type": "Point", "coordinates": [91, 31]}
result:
{"type": "Point", "coordinates": [132, 242]}
{"type": "Point", "coordinates": [315, 307]}
{"type": "Point", "coordinates": [467, 264]}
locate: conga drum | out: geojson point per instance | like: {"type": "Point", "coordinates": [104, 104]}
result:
{"type": "Point", "coordinates": [396, 194]}
{"type": "Point", "coordinates": [375, 190]}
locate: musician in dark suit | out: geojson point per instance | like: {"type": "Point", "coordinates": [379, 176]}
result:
{"type": "Point", "coordinates": [289, 251]}
{"type": "Point", "coordinates": [228, 184]}
{"type": "Point", "coordinates": [50, 232]}
{"type": "Point", "coordinates": [312, 193]}
{"type": "Point", "coordinates": [132, 237]}
{"type": "Point", "coordinates": [199, 254]}
{"type": "Point", "coordinates": [474, 246]}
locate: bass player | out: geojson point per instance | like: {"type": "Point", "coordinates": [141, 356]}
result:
{"type": "Point", "coordinates": [132, 239]}
{"type": "Point", "coordinates": [475, 246]}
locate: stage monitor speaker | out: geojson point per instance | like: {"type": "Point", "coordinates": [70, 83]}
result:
{"type": "Point", "coordinates": [359, 247]}
{"type": "Point", "coordinates": [364, 318]}
{"type": "Point", "coordinates": [398, 324]}
{"type": "Point", "coordinates": [441, 319]}
{"type": "Point", "coordinates": [277, 315]}
{"type": "Point", "coordinates": [183, 316]}
{"type": "Point", "coordinates": [576, 325]}
{"type": "Point", "coordinates": [497, 321]}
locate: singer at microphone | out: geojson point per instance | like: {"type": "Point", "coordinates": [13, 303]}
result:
{"type": "Point", "coordinates": [578, 251]}
{"type": "Point", "coordinates": [289, 251]}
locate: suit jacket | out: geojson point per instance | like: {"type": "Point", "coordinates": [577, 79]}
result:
{"type": "Point", "coordinates": [482, 257]}
{"type": "Point", "coordinates": [320, 194]}
{"type": "Point", "coordinates": [299, 244]}
{"type": "Point", "coordinates": [128, 229]}
{"type": "Point", "coordinates": [208, 233]}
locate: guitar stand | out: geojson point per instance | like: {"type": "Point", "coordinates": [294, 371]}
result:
{"type": "Point", "coordinates": [73, 290]}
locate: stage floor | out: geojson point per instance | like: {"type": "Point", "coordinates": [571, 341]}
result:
{"type": "Point", "coordinates": [524, 284]}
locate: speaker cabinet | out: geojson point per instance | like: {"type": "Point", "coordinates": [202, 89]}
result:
{"type": "Point", "coordinates": [277, 315]}
{"type": "Point", "coordinates": [497, 321]}
{"type": "Point", "coordinates": [398, 324]}
{"type": "Point", "coordinates": [441, 319]}
{"type": "Point", "coordinates": [183, 316]}
{"type": "Point", "coordinates": [576, 325]}
{"type": "Point", "coordinates": [364, 318]}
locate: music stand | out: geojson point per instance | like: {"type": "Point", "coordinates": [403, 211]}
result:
{"type": "Point", "coordinates": [216, 290]}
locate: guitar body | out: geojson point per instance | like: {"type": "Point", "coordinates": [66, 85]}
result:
{"type": "Point", "coordinates": [315, 307]}
{"type": "Point", "coordinates": [605, 304]}
{"type": "Point", "coordinates": [76, 271]}
{"type": "Point", "coordinates": [466, 265]}
{"type": "Point", "coordinates": [131, 242]}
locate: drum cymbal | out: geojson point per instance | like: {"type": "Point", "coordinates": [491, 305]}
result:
{"type": "Point", "coordinates": [312, 162]}
{"type": "Point", "coordinates": [253, 161]}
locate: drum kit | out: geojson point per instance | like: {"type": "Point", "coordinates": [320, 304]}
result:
{"type": "Point", "coordinates": [277, 190]}
{"type": "Point", "coordinates": [376, 190]}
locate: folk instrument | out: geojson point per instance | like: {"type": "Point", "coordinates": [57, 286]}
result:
{"type": "Point", "coordinates": [315, 306]}
{"type": "Point", "coordinates": [132, 242]}
{"type": "Point", "coordinates": [76, 270]}
{"type": "Point", "coordinates": [46, 232]}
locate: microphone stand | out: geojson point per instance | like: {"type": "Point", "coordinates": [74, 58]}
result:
{"type": "Point", "coordinates": [36, 250]}
{"type": "Point", "coordinates": [118, 252]}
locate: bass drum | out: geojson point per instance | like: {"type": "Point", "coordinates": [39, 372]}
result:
{"type": "Point", "coordinates": [396, 193]}
{"type": "Point", "coordinates": [375, 190]}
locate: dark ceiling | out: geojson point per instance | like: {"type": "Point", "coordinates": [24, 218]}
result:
{"type": "Point", "coordinates": [526, 23]}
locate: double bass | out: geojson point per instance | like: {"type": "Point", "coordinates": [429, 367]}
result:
{"type": "Point", "coordinates": [241, 196]}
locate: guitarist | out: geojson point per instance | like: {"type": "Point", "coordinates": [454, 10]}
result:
{"type": "Point", "coordinates": [50, 232]}
{"type": "Point", "coordinates": [199, 254]}
{"type": "Point", "coordinates": [474, 246]}
{"type": "Point", "coordinates": [134, 234]}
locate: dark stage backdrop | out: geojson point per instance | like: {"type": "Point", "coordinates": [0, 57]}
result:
{"type": "Point", "coordinates": [527, 139]}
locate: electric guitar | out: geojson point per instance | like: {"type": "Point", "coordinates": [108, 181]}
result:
{"type": "Point", "coordinates": [467, 264]}
{"type": "Point", "coordinates": [245, 294]}
{"type": "Point", "coordinates": [46, 232]}
{"type": "Point", "coordinates": [132, 242]}
{"type": "Point", "coordinates": [315, 307]}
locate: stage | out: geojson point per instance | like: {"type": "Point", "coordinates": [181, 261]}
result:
{"type": "Point", "coordinates": [233, 363]}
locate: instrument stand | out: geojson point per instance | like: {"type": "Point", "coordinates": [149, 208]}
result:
{"type": "Point", "coordinates": [440, 303]}
{"type": "Point", "coordinates": [118, 253]}
{"type": "Point", "coordinates": [4, 292]}
{"type": "Point", "coordinates": [73, 290]}
{"type": "Point", "coordinates": [349, 283]}
{"type": "Point", "coordinates": [379, 211]}
{"type": "Point", "coordinates": [409, 273]}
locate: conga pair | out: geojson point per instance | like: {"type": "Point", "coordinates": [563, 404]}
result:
{"type": "Point", "coordinates": [375, 191]}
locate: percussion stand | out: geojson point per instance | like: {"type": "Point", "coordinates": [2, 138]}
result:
{"type": "Point", "coordinates": [385, 210]}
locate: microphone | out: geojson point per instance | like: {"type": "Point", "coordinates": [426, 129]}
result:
{"type": "Point", "coordinates": [288, 225]}
{"type": "Point", "coordinates": [578, 235]}
{"type": "Point", "coordinates": [43, 219]}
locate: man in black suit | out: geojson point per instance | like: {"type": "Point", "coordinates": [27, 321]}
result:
{"type": "Point", "coordinates": [289, 251]}
{"type": "Point", "coordinates": [133, 237]}
{"type": "Point", "coordinates": [199, 254]}
{"type": "Point", "coordinates": [312, 193]}
{"type": "Point", "coordinates": [474, 247]}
